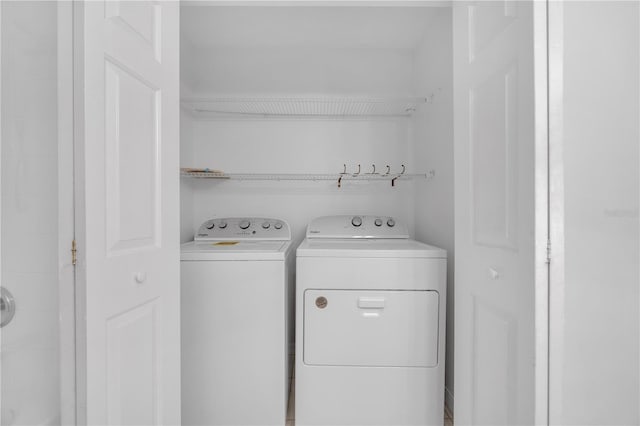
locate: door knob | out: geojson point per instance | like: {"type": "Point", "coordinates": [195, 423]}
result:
{"type": "Point", "coordinates": [7, 306]}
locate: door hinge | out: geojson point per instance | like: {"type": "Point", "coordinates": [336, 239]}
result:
{"type": "Point", "coordinates": [74, 253]}
{"type": "Point", "coordinates": [548, 252]}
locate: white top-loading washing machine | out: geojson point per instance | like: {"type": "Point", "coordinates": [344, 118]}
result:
{"type": "Point", "coordinates": [370, 325]}
{"type": "Point", "coordinates": [236, 302]}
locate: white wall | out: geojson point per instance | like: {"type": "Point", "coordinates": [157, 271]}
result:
{"type": "Point", "coordinates": [432, 144]}
{"type": "Point", "coordinates": [297, 70]}
{"type": "Point", "coordinates": [30, 344]}
{"type": "Point", "coordinates": [595, 306]}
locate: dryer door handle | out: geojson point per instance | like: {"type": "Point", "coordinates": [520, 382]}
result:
{"type": "Point", "coordinates": [371, 302]}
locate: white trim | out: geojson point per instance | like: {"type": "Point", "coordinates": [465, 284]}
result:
{"type": "Point", "coordinates": [556, 209]}
{"type": "Point", "coordinates": [79, 208]}
{"type": "Point", "coordinates": [0, 196]}
{"type": "Point", "coordinates": [66, 279]}
{"type": "Point", "coordinates": [541, 391]}
{"type": "Point", "coordinates": [316, 3]}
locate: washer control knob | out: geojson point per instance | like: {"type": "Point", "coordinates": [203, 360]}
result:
{"type": "Point", "coordinates": [378, 222]}
{"type": "Point", "coordinates": [391, 223]}
{"type": "Point", "coordinates": [266, 225]}
{"type": "Point", "coordinates": [356, 221]}
{"type": "Point", "coordinates": [222, 225]}
{"type": "Point", "coordinates": [244, 224]}
{"type": "Point", "coordinates": [210, 226]}
{"type": "Point", "coordinates": [278, 225]}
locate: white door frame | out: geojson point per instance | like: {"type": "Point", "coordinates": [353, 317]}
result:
{"type": "Point", "coordinates": [66, 216]}
{"type": "Point", "coordinates": [556, 208]}
{"type": "Point", "coordinates": [541, 87]}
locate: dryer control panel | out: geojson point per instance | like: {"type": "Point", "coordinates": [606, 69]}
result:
{"type": "Point", "coordinates": [243, 229]}
{"type": "Point", "coordinates": [357, 226]}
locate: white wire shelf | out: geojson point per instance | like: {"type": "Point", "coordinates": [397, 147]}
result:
{"type": "Point", "coordinates": [307, 177]}
{"type": "Point", "coordinates": [327, 106]}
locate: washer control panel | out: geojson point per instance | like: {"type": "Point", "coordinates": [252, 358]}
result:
{"type": "Point", "coordinates": [244, 228]}
{"type": "Point", "coordinates": [356, 226]}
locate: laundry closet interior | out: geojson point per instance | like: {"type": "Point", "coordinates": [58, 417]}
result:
{"type": "Point", "coordinates": [286, 99]}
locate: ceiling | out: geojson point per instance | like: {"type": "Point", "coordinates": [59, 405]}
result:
{"type": "Point", "coordinates": [313, 26]}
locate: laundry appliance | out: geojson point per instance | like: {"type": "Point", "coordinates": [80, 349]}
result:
{"type": "Point", "coordinates": [236, 294]}
{"type": "Point", "coordinates": [370, 325]}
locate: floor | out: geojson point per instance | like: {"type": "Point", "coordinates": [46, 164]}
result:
{"type": "Point", "coordinates": [448, 417]}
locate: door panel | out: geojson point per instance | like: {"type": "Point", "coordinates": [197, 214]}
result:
{"type": "Point", "coordinates": [493, 156]}
{"type": "Point", "coordinates": [132, 361]}
{"type": "Point", "coordinates": [129, 253]}
{"type": "Point", "coordinates": [132, 143]}
{"type": "Point", "coordinates": [493, 355]}
{"type": "Point", "coordinates": [494, 202]}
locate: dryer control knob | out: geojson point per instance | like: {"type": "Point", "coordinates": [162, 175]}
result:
{"type": "Point", "coordinates": [211, 226]}
{"type": "Point", "coordinates": [266, 225]}
{"type": "Point", "coordinates": [356, 221]}
{"type": "Point", "coordinates": [244, 224]}
{"type": "Point", "coordinates": [391, 223]}
{"type": "Point", "coordinates": [222, 225]}
{"type": "Point", "coordinates": [378, 222]}
{"type": "Point", "coordinates": [278, 225]}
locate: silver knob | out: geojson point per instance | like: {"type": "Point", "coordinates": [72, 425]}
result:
{"type": "Point", "coordinates": [356, 221]}
{"type": "Point", "coordinates": [222, 225]}
{"type": "Point", "coordinates": [244, 224]}
{"type": "Point", "coordinates": [266, 225]}
{"type": "Point", "coordinates": [278, 225]}
{"type": "Point", "coordinates": [7, 306]}
{"type": "Point", "coordinates": [391, 223]}
{"type": "Point", "coordinates": [378, 222]}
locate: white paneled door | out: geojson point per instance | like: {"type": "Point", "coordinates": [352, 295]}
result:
{"type": "Point", "coordinates": [127, 72]}
{"type": "Point", "coordinates": [494, 203]}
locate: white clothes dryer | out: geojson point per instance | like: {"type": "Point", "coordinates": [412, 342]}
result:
{"type": "Point", "coordinates": [236, 302]}
{"type": "Point", "coordinates": [370, 325]}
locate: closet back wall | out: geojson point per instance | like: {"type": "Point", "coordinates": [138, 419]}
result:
{"type": "Point", "coordinates": [278, 145]}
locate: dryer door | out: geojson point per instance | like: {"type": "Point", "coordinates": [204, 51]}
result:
{"type": "Point", "coordinates": [396, 328]}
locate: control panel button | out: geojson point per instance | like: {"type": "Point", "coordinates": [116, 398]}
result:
{"type": "Point", "coordinates": [222, 225]}
{"type": "Point", "coordinates": [278, 225]}
{"type": "Point", "coordinates": [356, 221]}
{"type": "Point", "coordinates": [244, 224]}
{"type": "Point", "coordinates": [266, 225]}
{"type": "Point", "coordinates": [210, 226]}
{"type": "Point", "coordinates": [378, 222]}
{"type": "Point", "coordinates": [391, 223]}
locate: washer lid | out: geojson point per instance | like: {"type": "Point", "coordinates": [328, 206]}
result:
{"type": "Point", "coordinates": [394, 248]}
{"type": "Point", "coordinates": [235, 250]}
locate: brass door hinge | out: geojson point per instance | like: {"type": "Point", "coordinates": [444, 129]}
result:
{"type": "Point", "coordinates": [74, 253]}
